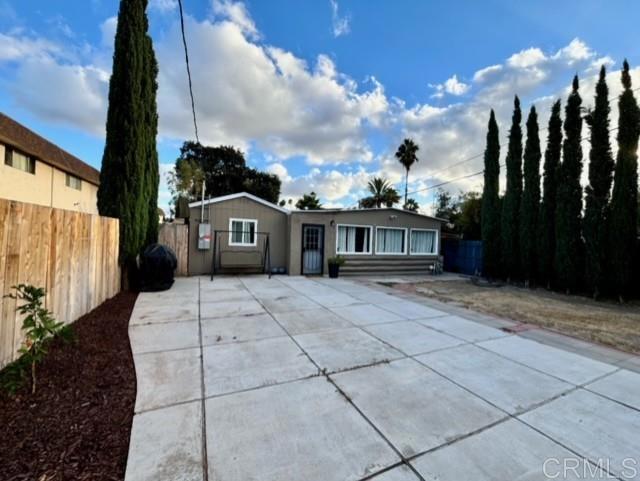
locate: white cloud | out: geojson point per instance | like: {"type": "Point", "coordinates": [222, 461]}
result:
{"type": "Point", "coordinates": [526, 58]}
{"type": "Point", "coordinates": [15, 47]}
{"type": "Point", "coordinates": [237, 13]}
{"type": "Point", "coordinates": [163, 6]}
{"type": "Point", "coordinates": [451, 86]}
{"type": "Point", "coordinates": [108, 30]}
{"type": "Point", "coordinates": [341, 25]}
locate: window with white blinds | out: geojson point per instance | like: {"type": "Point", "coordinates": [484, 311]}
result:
{"type": "Point", "coordinates": [242, 232]}
{"type": "Point", "coordinates": [423, 242]}
{"type": "Point", "coordinates": [353, 239]}
{"type": "Point", "coordinates": [390, 240]}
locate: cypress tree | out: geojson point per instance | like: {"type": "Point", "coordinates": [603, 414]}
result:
{"type": "Point", "coordinates": [511, 202]}
{"type": "Point", "coordinates": [547, 230]}
{"type": "Point", "coordinates": [568, 264]}
{"type": "Point", "coordinates": [125, 176]}
{"type": "Point", "coordinates": [153, 174]}
{"type": "Point", "coordinates": [530, 199]}
{"type": "Point", "coordinates": [597, 192]}
{"type": "Point", "coordinates": [624, 199]}
{"type": "Point", "coordinates": [490, 216]}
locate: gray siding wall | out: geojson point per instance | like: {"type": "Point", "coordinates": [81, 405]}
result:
{"type": "Point", "coordinates": [269, 220]}
{"type": "Point", "coordinates": [381, 217]}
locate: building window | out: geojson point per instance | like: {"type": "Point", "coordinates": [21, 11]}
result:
{"type": "Point", "coordinates": [242, 232]}
{"type": "Point", "coordinates": [354, 239]}
{"type": "Point", "coordinates": [19, 160]}
{"type": "Point", "coordinates": [73, 182]}
{"type": "Point", "coordinates": [424, 242]}
{"type": "Point", "coordinates": [391, 241]}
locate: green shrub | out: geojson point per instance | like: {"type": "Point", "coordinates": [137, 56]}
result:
{"type": "Point", "coordinates": [39, 329]}
{"type": "Point", "coordinates": [337, 260]}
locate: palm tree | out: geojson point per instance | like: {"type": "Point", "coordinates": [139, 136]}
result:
{"type": "Point", "coordinates": [309, 202]}
{"type": "Point", "coordinates": [391, 197]}
{"type": "Point", "coordinates": [411, 205]}
{"type": "Point", "coordinates": [378, 187]}
{"type": "Point", "coordinates": [406, 155]}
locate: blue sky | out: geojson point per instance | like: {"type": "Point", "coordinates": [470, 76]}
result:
{"type": "Point", "coordinates": [319, 92]}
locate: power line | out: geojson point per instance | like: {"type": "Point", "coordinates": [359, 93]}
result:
{"type": "Point", "coordinates": [186, 57]}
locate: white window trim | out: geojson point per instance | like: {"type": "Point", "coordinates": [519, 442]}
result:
{"type": "Point", "coordinates": [243, 244]}
{"type": "Point", "coordinates": [436, 244]}
{"type": "Point", "coordinates": [370, 227]}
{"type": "Point", "coordinates": [404, 244]}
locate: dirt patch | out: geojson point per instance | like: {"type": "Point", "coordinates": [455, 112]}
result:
{"type": "Point", "coordinates": [604, 322]}
{"type": "Point", "coordinates": [77, 425]}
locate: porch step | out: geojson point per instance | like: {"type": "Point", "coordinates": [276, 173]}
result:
{"type": "Point", "coordinates": [386, 266]}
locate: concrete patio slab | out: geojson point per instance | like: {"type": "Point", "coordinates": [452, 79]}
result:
{"type": "Point", "coordinates": [272, 292]}
{"type": "Point", "coordinates": [212, 310]}
{"type": "Point", "coordinates": [372, 296]}
{"type": "Point", "coordinates": [224, 330]}
{"type": "Point", "coordinates": [236, 367]}
{"type": "Point", "coordinates": [364, 314]}
{"type": "Point", "coordinates": [335, 299]}
{"type": "Point", "coordinates": [288, 303]}
{"type": "Point", "coordinates": [166, 445]}
{"type": "Point", "coordinates": [595, 428]}
{"type": "Point", "coordinates": [311, 320]}
{"type": "Point", "coordinates": [164, 336]}
{"type": "Point", "coordinates": [165, 378]}
{"type": "Point", "coordinates": [413, 407]}
{"type": "Point", "coordinates": [489, 455]}
{"type": "Point", "coordinates": [622, 386]}
{"type": "Point", "coordinates": [225, 295]}
{"type": "Point", "coordinates": [556, 362]}
{"type": "Point", "coordinates": [463, 328]}
{"type": "Point", "coordinates": [303, 430]}
{"type": "Point", "coordinates": [410, 310]}
{"type": "Point", "coordinates": [504, 383]}
{"type": "Point", "coordinates": [412, 337]}
{"type": "Point", "coordinates": [220, 283]}
{"type": "Point", "coordinates": [171, 311]}
{"type": "Point", "coordinates": [345, 349]}
{"type": "Point", "coordinates": [401, 473]}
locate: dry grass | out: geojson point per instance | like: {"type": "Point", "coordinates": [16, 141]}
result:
{"type": "Point", "coordinates": [603, 322]}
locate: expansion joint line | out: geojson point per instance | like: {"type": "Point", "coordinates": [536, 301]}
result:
{"type": "Point", "coordinates": [205, 457]}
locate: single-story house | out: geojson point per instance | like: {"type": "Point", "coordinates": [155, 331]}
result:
{"type": "Point", "coordinates": [36, 171]}
{"type": "Point", "coordinates": [236, 228]}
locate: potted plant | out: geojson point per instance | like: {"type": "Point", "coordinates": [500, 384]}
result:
{"type": "Point", "coordinates": [334, 265]}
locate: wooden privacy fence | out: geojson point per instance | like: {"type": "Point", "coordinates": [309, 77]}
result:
{"type": "Point", "coordinates": [71, 254]}
{"type": "Point", "coordinates": [176, 236]}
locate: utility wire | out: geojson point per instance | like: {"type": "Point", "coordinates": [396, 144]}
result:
{"type": "Point", "coordinates": [186, 57]}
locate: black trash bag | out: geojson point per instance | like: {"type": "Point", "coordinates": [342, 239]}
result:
{"type": "Point", "coordinates": [157, 265]}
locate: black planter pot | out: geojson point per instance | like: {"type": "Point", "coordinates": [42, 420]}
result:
{"type": "Point", "coordinates": [334, 270]}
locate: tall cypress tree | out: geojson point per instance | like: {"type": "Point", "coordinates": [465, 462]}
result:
{"type": "Point", "coordinates": [153, 174]}
{"type": "Point", "coordinates": [490, 216]}
{"type": "Point", "coordinates": [597, 192]}
{"type": "Point", "coordinates": [547, 221]}
{"type": "Point", "coordinates": [530, 199]}
{"type": "Point", "coordinates": [511, 202]}
{"type": "Point", "coordinates": [125, 175]}
{"type": "Point", "coordinates": [569, 248]}
{"type": "Point", "coordinates": [624, 199]}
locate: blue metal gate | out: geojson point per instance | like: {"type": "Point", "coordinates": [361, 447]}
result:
{"type": "Point", "coordinates": [464, 256]}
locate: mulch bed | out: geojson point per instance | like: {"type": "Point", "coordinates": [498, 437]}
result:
{"type": "Point", "coordinates": [77, 425]}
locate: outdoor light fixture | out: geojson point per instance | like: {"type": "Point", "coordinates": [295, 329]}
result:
{"type": "Point", "coordinates": [332, 223]}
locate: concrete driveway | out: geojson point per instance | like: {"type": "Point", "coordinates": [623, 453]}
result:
{"type": "Point", "coordinates": [292, 378]}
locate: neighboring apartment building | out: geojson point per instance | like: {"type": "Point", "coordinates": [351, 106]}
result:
{"type": "Point", "coordinates": [34, 170]}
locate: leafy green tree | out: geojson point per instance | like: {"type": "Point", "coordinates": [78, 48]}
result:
{"type": "Point", "coordinates": [128, 177]}
{"type": "Point", "coordinates": [468, 220]}
{"type": "Point", "coordinates": [411, 205]}
{"type": "Point", "coordinates": [224, 171]}
{"type": "Point", "coordinates": [309, 202]}
{"type": "Point", "coordinates": [511, 203]}
{"type": "Point", "coordinates": [367, 203]}
{"type": "Point", "coordinates": [547, 230]}
{"type": "Point", "coordinates": [624, 198]}
{"type": "Point", "coordinates": [491, 202]}
{"type": "Point", "coordinates": [530, 206]}
{"type": "Point", "coordinates": [569, 248]}
{"type": "Point", "coordinates": [446, 207]}
{"type": "Point", "coordinates": [597, 192]}
{"type": "Point", "coordinates": [407, 156]}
